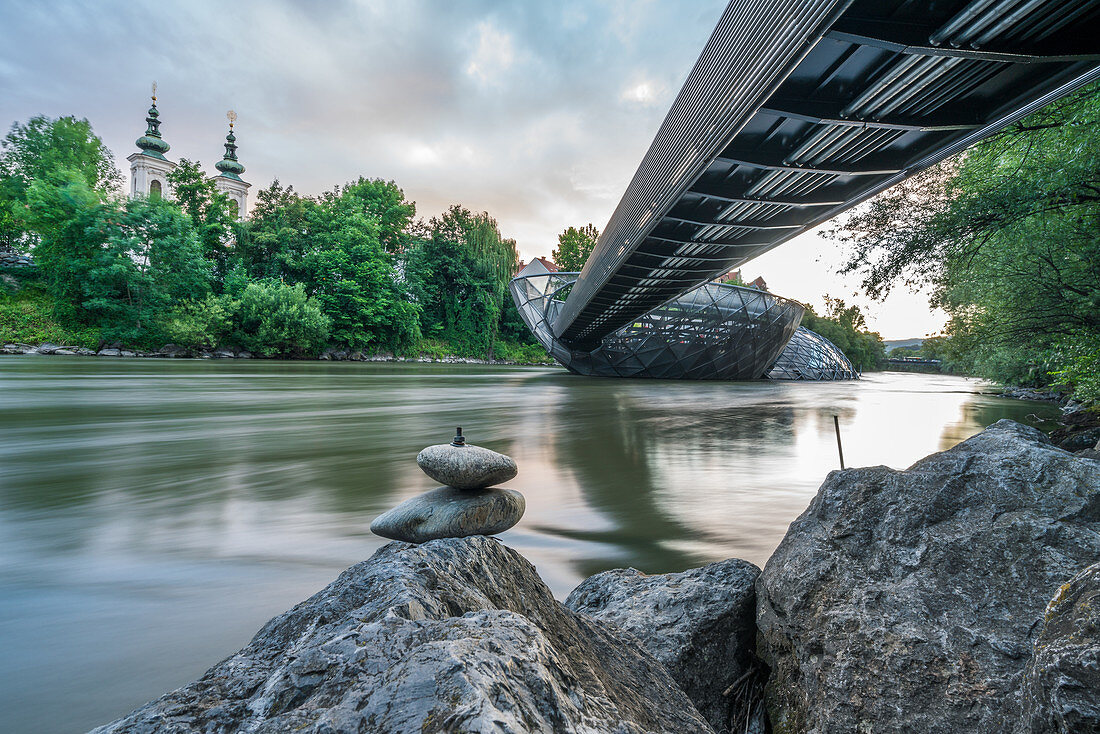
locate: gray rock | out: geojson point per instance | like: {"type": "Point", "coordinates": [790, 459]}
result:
{"type": "Point", "coordinates": [447, 512]}
{"type": "Point", "coordinates": [1072, 406]}
{"type": "Point", "coordinates": [64, 351]}
{"type": "Point", "coordinates": [174, 350]}
{"type": "Point", "coordinates": [910, 600]}
{"type": "Point", "coordinates": [1062, 688]}
{"type": "Point", "coordinates": [701, 624]}
{"type": "Point", "coordinates": [466, 467]}
{"type": "Point", "coordinates": [1081, 440]}
{"type": "Point", "coordinates": [47, 348]}
{"type": "Point", "coordinates": [109, 352]}
{"type": "Point", "coordinates": [1089, 454]}
{"type": "Point", "coordinates": [223, 353]}
{"type": "Point", "coordinates": [19, 348]}
{"type": "Point", "coordinates": [456, 635]}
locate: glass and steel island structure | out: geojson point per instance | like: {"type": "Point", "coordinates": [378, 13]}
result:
{"type": "Point", "coordinates": [795, 111]}
{"type": "Point", "coordinates": [716, 331]}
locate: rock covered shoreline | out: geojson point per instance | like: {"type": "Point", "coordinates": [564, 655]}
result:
{"type": "Point", "coordinates": [172, 351]}
{"type": "Point", "coordinates": [960, 595]}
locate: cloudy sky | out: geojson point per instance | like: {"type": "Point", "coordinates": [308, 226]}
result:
{"type": "Point", "coordinates": [537, 112]}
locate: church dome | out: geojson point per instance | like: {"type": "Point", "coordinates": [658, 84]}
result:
{"type": "Point", "coordinates": [151, 143]}
{"type": "Point", "coordinates": [229, 166]}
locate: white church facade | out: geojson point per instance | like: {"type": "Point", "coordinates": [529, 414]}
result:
{"type": "Point", "coordinates": [149, 168]}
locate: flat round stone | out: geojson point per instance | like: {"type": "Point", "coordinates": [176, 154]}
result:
{"type": "Point", "coordinates": [447, 512]}
{"type": "Point", "coordinates": [466, 467]}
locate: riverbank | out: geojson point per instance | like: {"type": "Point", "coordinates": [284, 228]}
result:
{"type": "Point", "coordinates": [171, 351]}
{"type": "Point", "coordinates": [887, 607]}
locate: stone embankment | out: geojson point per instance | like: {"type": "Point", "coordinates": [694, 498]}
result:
{"type": "Point", "coordinates": [170, 351]}
{"type": "Point", "coordinates": [13, 259]}
{"type": "Point", "coordinates": [960, 595]}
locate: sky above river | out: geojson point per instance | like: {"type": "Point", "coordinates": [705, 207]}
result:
{"type": "Point", "coordinates": [537, 112]}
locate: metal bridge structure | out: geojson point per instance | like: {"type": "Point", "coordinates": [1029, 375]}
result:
{"type": "Point", "coordinates": [798, 110]}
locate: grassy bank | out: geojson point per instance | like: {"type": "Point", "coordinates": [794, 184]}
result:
{"type": "Point", "coordinates": [27, 316]}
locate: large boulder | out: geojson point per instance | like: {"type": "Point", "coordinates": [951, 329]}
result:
{"type": "Point", "coordinates": [452, 635]}
{"type": "Point", "coordinates": [910, 600]}
{"type": "Point", "coordinates": [1062, 688]}
{"type": "Point", "coordinates": [701, 624]}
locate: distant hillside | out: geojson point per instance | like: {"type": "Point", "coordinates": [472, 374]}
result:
{"type": "Point", "coordinates": [892, 344]}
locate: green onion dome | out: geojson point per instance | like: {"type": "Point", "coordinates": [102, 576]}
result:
{"type": "Point", "coordinates": [229, 165]}
{"type": "Point", "coordinates": [151, 143]}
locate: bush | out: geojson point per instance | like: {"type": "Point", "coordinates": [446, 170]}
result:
{"type": "Point", "coordinates": [199, 324]}
{"type": "Point", "coordinates": [1079, 359]}
{"type": "Point", "coordinates": [514, 352]}
{"type": "Point", "coordinates": [273, 318]}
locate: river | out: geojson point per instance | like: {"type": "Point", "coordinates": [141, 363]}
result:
{"type": "Point", "coordinates": [155, 513]}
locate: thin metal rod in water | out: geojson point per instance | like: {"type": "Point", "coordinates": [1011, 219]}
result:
{"type": "Point", "coordinates": [839, 448]}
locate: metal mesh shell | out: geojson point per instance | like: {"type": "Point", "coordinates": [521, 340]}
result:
{"type": "Point", "coordinates": [716, 331]}
{"type": "Point", "coordinates": [810, 356]}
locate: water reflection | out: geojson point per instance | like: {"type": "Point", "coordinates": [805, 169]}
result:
{"type": "Point", "coordinates": [154, 513]}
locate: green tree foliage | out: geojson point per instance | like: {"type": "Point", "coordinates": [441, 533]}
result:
{"type": "Point", "coordinates": [574, 247]}
{"type": "Point", "coordinates": [459, 274]}
{"type": "Point", "coordinates": [273, 318]}
{"type": "Point", "coordinates": [200, 324]}
{"type": "Point", "coordinates": [62, 210]}
{"type": "Point", "coordinates": [343, 248]}
{"type": "Point", "coordinates": [48, 149]}
{"type": "Point", "coordinates": [277, 237]}
{"type": "Point", "coordinates": [209, 210]}
{"type": "Point", "coordinates": [846, 327]}
{"type": "Point", "coordinates": [1008, 237]}
{"type": "Point", "coordinates": [118, 267]}
{"type": "Point", "coordinates": [150, 260]}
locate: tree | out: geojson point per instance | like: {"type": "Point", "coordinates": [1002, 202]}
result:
{"type": "Point", "coordinates": [209, 210]}
{"type": "Point", "coordinates": [459, 274]}
{"type": "Point", "coordinates": [574, 247]}
{"type": "Point", "coordinates": [350, 272]}
{"type": "Point", "coordinates": [45, 149]}
{"type": "Point", "coordinates": [62, 210]}
{"type": "Point", "coordinates": [343, 248]}
{"type": "Point", "coordinates": [383, 202]}
{"type": "Point", "coordinates": [151, 259]}
{"type": "Point", "coordinates": [846, 327]}
{"type": "Point", "coordinates": [276, 237]}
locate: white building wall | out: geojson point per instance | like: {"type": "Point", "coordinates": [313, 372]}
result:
{"type": "Point", "coordinates": [144, 170]}
{"type": "Point", "coordinates": [236, 191]}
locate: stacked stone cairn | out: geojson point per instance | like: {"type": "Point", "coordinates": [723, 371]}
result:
{"type": "Point", "coordinates": [469, 504]}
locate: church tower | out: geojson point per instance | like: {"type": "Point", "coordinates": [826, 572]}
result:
{"type": "Point", "coordinates": [229, 180]}
{"type": "Point", "coordinates": [149, 168]}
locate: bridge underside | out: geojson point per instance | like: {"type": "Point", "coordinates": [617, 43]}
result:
{"type": "Point", "coordinates": [800, 109]}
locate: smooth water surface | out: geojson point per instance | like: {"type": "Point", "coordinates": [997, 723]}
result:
{"type": "Point", "coordinates": [155, 513]}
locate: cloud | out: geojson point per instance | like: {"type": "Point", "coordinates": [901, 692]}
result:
{"type": "Point", "coordinates": [642, 93]}
{"type": "Point", "coordinates": [492, 56]}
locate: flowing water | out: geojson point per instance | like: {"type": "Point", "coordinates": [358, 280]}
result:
{"type": "Point", "coordinates": [155, 513]}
